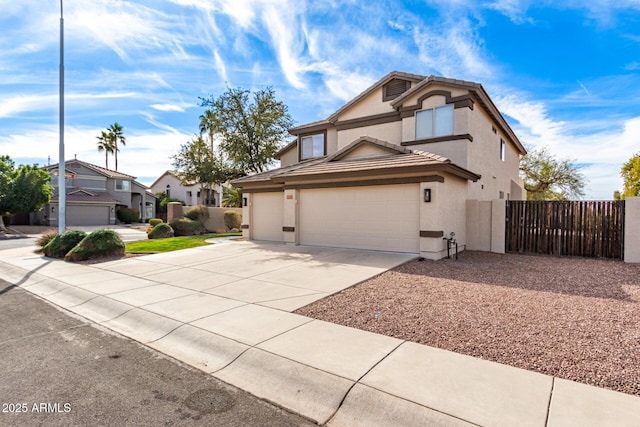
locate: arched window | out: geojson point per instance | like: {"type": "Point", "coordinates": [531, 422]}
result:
{"type": "Point", "coordinates": [168, 191]}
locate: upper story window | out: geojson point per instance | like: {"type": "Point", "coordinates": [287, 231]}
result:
{"type": "Point", "coordinates": [434, 122]}
{"type": "Point", "coordinates": [123, 185]}
{"type": "Point", "coordinates": [312, 146]}
{"type": "Point", "coordinates": [503, 149]}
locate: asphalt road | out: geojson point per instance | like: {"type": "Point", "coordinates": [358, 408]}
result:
{"type": "Point", "coordinates": [59, 370]}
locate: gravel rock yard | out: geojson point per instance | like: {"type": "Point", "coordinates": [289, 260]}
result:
{"type": "Point", "coordinates": [572, 318]}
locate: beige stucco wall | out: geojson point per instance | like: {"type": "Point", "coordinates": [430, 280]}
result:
{"type": "Point", "coordinates": [290, 217]}
{"type": "Point", "coordinates": [632, 230]}
{"type": "Point", "coordinates": [215, 223]}
{"type": "Point", "coordinates": [389, 132]}
{"type": "Point", "coordinates": [484, 159]}
{"type": "Point", "coordinates": [446, 212]}
{"type": "Point", "coordinates": [365, 151]}
{"type": "Point", "coordinates": [370, 105]}
{"type": "Point", "coordinates": [289, 157]}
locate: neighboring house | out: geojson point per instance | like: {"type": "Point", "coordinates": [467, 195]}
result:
{"type": "Point", "coordinates": [94, 194]}
{"type": "Point", "coordinates": [395, 169]}
{"type": "Point", "coordinates": [191, 194]}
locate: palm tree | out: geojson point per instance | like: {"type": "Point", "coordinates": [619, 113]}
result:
{"type": "Point", "coordinates": [232, 198]}
{"type": "Point", "coordinates": [115, 132]}
{"type": "Point", "coordinates": [105, 143]}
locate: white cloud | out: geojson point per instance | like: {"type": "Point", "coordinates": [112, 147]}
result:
{"type": "Point", "coordinates": [168, 107]}
{"type": "Point", "coordinates": [12, 106]}
{"type": "Point", "coordinates": [220, 67]}
{"type": "Point", "coordinates": [146, 155]}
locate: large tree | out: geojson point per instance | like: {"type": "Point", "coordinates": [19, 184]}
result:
{"type": "Point", "coordinates": [106, 144]}
{"type": "Point", "coordinates": [198, 162]}
{"type": "Point", "coordinates": [251, 128]}
{"type": "Point", "coordinates": [116, 134]}
{"type": "Point", "coordinates": [547, 178]}
{"type": "Point", "coordinates": [630, 172]}
{"type": "Point", "coordinates": [22, 189]}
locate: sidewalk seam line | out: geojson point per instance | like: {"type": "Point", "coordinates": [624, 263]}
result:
{"type": "Point", "coordinates": [553, 384]}
{"type": "Point", "coordinates": [359, 379]}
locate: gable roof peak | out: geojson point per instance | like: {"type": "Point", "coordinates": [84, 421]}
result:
{"type": "Point", "coordinates": [384, 80]}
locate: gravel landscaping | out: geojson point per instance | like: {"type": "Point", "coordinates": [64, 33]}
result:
{"type": "Point", "coordinates": [572, 318]}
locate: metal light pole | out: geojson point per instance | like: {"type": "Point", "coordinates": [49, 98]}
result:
{"type": "Point", "coordinates": [62, 191]}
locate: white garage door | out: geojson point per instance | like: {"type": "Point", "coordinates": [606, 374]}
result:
{"type": "Point", "coordinates": [267, 216]}
{"type": "Point", "coordinates": [87, 215]}
{"type": "Point", "coordinates": [384, 217]}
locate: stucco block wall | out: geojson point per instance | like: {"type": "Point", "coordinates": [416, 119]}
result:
{"type": "Point", "coordinates": [215, 222]}
{"type": "Point", "coordinates": [479, 225]}
{"type": "Point", "coordinates": [632, 230]}
{"type": "Point", "coordinates": [446, 212]}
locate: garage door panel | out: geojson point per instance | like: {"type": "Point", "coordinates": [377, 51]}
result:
{"type": "Point", "coordinates": [378, 218]}
{"type": "Point", "coordinates": [87, 215]}
{"type": "Point", "coordinates": [268, 216]}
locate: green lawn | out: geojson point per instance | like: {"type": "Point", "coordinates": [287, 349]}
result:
{"type": "Point", "coordinates": [172, 243]}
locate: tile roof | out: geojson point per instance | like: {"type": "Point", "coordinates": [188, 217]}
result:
{"type": "Point", "coordinates": [80, 195]}
{"type": "Point", "coordinates": [99, 169]}
{"type": "Point", "coordinates": [403, 160]}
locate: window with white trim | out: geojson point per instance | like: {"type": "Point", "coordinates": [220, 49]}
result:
{"type": "Point", "coordinates": [434, 122]}
{"type": "Point", "coordinates": [312, 146]}
{"type": "Point", "coordinates": [123, 185]}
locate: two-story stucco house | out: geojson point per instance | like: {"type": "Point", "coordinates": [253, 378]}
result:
{"type": "Point", "coordinates": [395, 169]}
{"type": "Point", "coordinates": [94, 194]}
{"type": "Point", "coordinates": [191, 194]}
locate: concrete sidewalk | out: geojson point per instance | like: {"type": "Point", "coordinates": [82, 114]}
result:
{"type": "Point", "coordinates": [226, 309]}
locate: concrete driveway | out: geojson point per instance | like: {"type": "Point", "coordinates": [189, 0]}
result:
{"type": "Point", "coordinates": [270, 275]}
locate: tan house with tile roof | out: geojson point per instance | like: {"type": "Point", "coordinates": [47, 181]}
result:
{"type": "Point", "coordinates": [400, 167]}
{"type": "Point", "coordinates": [94, 194]}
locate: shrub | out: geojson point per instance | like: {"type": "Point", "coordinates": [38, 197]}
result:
{"type": "Point", "coordinates": [60, 245]}
{"type": "Point", "coordinates": [198, 213]}
{"type": "Point", "coordinates": [100, 243]}
{"type": "Point", "coordinates": [232, 219]}
{"type": "Point", "coordinates": [7, 219]}
{"type": "Point", "coordinates": [128, 215]}
{"type": "Point", "coordinates": [187, 227]}
{"type": "Point", "coordinates": [46, 237]}
{"type": "Point", "coordinates": [155, 221]}
{"type": "Point", "coordinates": [161, 231]}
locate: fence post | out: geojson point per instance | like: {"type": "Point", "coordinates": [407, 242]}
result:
{"type": "Point", "coordinates": [632, 229]}
{"type": "Point", "coordinates": [498, 225]}
{"type": "Point", "coordinates": [174, 210]}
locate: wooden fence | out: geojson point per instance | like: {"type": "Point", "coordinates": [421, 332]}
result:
{"type": "Point", "coordinates": [566, 228]}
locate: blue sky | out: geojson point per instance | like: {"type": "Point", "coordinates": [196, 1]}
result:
{"type": "Point", "coordinates": [565, 76]}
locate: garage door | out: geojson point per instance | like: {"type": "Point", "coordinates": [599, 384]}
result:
{"type": "Point", "coordinates": [384, 217]}
{"type": "Point", "coordinates": [267, 216]}
{"type": "Point", "coordinates": [87, 215]}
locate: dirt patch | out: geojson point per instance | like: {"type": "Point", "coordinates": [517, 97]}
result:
{"type": "Point", "coordinates": [572, 318]}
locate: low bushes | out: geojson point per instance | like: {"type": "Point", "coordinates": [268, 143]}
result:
{"type": "Point", "coordinates": [128, 215]}
{"type": "Point", "coordinates": [198, 213]}
{"type": "Point", "coordinates": [46, 237]}
{"type": "Point", "coordinates": [155, 221]}
{"type": "Point", "coordinates": [187, 227]}
{"type": "Point", "coordinates": [60, 245]}
{"type": "Point", "coordinates": [161, 231]}
{"type": "Point", "coordinates": [232, 219]}
{"type": "Point", "coordinates": [100, 243]}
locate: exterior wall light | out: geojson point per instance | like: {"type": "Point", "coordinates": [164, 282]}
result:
{"type": "Point", "coordinates": [427, 195]}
